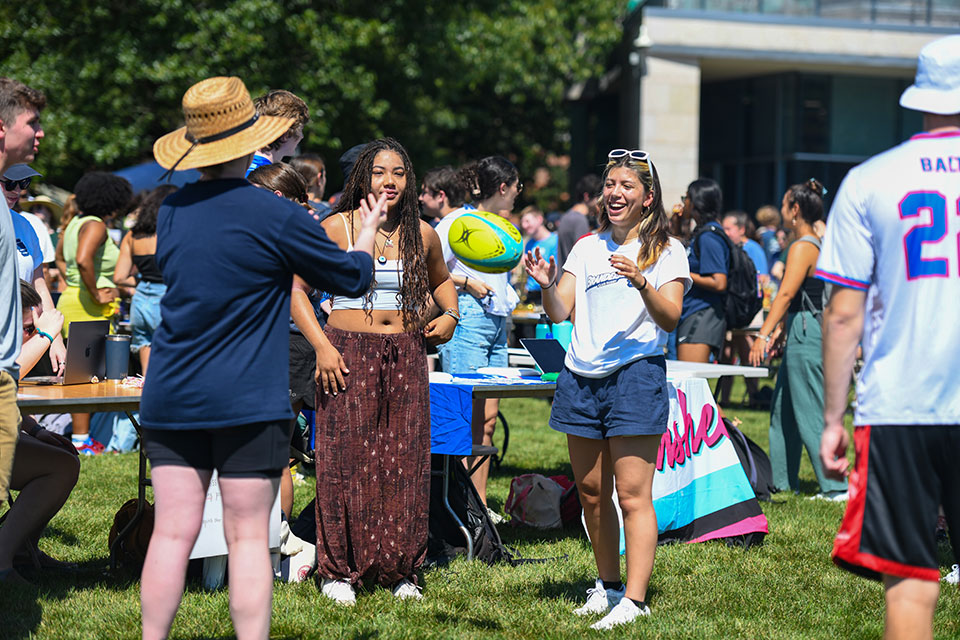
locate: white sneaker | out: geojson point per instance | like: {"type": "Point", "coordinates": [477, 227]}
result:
{"type": "Point", "coordinates": [340, 591]}
{"type": "Point", "coordinates": [841, 496]}
{"type": "Point", "coordinates": [626, 611]}
{"type": "Point", "coordinates": [406, 589]}
{"type": "Point", "coordinates": [600, 600]}
{"type": "Point", "coordinates": [954, 576]}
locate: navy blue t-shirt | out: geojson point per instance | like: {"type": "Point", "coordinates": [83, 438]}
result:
{"type": "Point", "coordinates": [227, 251]}
{"type": "Point", "coordinates": [714, 258]}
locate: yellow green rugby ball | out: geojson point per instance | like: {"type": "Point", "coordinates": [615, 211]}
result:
{"type": "Point", "coordinates": [485, 241]}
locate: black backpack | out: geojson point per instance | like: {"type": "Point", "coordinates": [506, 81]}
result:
{"type": "Point", "coordinates": [445, 539]}
{"type": "Point", "coordinates": [744, 299]}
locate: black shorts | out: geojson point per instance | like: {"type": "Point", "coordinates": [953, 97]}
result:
{"type": "Point", "coordinates": [706, 326]}
{"type": "Point", "coordinates": [257, 450]}
{"type": "Point", "coordinates": [902, 475]}
{"type": "Point", "coordinates": [303, 369]}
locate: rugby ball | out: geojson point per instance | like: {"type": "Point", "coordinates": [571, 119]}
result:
{"type": "Point", "coordinates": [485, 241]}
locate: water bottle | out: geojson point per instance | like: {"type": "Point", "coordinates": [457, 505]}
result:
{"type": "Point", "coordinates": [544, 328]}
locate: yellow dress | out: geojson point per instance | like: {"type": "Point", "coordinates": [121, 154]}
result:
{"type": "Point", "coordinates": [76, 303]}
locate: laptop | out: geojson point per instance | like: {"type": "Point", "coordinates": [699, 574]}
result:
{"type": "Point", "coordinates": [85, 354]}
{"type": "Point", "coordinates": [548, 353]}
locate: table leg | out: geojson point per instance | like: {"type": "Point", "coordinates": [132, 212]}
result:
{"type": "Point", "coordinates": [446, 503]}
{"type": "Point", "coordinates": [142, 483]}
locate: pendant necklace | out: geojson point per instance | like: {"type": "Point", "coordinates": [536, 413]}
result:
{"type": "Point", "coordinates": [387, 242]}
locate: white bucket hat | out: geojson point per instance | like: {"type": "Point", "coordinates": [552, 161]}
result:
{"type": "Point", "coordinates": [936, 88]}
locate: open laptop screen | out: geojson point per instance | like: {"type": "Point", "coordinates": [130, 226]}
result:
{"type": "Point", "coordinates": [548, 353]}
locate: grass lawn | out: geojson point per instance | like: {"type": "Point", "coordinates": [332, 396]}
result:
{"type": "Point", "coordinates": [787, 588]}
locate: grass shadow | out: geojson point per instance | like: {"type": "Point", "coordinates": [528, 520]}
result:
{"type": "Point", "coordinates": [484, 624]}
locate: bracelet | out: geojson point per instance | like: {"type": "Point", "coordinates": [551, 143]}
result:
{"type": "Point", "coordinates": [644, 284]}
{"type": "Point", "coordinates": [453, 314]}
{"type": "Point", "coordinates": [466, 282]}
{"type": "Point", "coordinates": [45, 335]}
{"type": "Point", "coordinates": [763, 337]}
{"type": "Point", "coordinates": [548, 286]}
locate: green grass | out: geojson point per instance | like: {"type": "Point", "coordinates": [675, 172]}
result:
{"type": "Point", "coordinates": [787, 588]}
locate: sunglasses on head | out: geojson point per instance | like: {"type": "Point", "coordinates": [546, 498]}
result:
{"type": "Point", "coordinates": [11, 185]}
{"type": "Point", "coordinates": [636, 154]}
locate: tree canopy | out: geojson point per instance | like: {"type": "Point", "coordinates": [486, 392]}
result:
{"type": "Point", "coordinates": [450, 80]}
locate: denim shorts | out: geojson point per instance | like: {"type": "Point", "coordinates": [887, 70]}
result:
{"type": "Point", "coordinates": [480, 340]}
{"type": "Point", "coordinates": [145, 313]}
{"type": "Point", "coordinates": [631, 401]}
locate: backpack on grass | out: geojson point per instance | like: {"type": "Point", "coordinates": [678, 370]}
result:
{"type": "Point", "coordinates": [743, 296]}
{"type": "Point", "coordinates": [755, 462]}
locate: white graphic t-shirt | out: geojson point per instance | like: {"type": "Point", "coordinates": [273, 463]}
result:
{"type": "Point", "coordinates": [613, 326]}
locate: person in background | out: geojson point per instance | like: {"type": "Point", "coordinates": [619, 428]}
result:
{"type": "Point", "coordinates": [216, 398]}
{"type": "Point", "coordinates": [443, 192]}
{"type": "Point", "coordinates": [280, 103]}
{"type": "Point", "coordinates": [46, 465]}
{"type": "Point", "coordinates": [736, 224]}
{"type": "Point", "coordinates": [626, 283]}
{"type": "Point", "coordinates": [768, 219]}
{"type": "Point", "coordinates": [306, 317]}
{"type": "Point", "coordinates": [138, 257]}
{"type": "Point", "coordinates": [538, 237]}
{"type": "Point", "coordinates": [35, 250]}
{"type": "Point", "coordinates": [90, 258]}
{"type": "Point", "coordinates": [20, 135]}
{"type": "Point", "coordinates": [314, 172]}
{"type": "Point", "coordinates": [373, 423]}
{"type": "Point", "coordinates": [486, 300]}
{"type": "Point", "coordinates": [576, 222]}
{"type": "Point", "coordinates": [703, 325]}
{"type": "Point", "coordinates": [796, 415]}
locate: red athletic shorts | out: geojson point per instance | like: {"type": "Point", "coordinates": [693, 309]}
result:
{"type": "Point", "coordinates": [902, 475]}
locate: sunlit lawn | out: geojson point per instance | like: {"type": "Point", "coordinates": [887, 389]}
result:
{"type": "Point", "coordinates": [787, 588]}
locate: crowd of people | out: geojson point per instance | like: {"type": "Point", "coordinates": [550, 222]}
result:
{"type": "Point", "coordinates": [334, 304]}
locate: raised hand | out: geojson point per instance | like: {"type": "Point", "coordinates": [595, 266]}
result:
{"type": "Point", "coordinates": [628, 269]}
{"type": "Point", "coordinates": [543, 272]}
{"type": "Point", "coordinates": [373, 212]}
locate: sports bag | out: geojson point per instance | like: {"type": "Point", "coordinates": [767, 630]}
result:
{"type": "Point", "coordinates": [755, 462]}
{"type": "Point", "coordinates": [744, 298]}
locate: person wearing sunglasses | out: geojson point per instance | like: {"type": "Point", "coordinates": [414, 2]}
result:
{"type": "Point", "coordinates": [626, 283]}
{"type": "Point", "coordinates": [34, 249]}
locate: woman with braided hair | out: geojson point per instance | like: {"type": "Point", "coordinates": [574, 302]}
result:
{"type": "Point", "coordinates": [373, 403]}
{"type": "Point", "coordinates": [626, 283]}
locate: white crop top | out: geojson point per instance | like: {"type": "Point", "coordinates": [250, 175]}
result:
{"type": "Point", "coordinates": [385, 290]}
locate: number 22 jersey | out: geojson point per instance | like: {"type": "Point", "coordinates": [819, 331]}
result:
{"type": "Point", "coordinates": [894, 232]}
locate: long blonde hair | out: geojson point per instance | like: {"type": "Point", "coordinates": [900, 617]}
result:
{"type": "Point", "coordinates": [653, 226]}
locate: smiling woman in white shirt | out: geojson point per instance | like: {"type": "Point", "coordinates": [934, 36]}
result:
{"type": "Point", "coordinates": [626, 283]}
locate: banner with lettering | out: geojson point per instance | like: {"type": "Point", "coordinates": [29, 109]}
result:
{"type": "Point", "coordinates": [700, 490]}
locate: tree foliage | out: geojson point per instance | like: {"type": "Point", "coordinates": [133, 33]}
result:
{"type": "Point", "coordinates": [450, 79]}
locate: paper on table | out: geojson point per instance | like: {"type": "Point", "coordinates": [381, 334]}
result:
{"type": "Point", "coordinates": [509, 372]}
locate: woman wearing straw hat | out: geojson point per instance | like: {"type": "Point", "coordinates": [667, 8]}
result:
{"type": "Point", "coordinates": [216, 396]}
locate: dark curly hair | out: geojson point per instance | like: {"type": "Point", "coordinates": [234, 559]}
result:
{"type": "Point", "coordinates": [146, 224]}
{"type": "Point", "coordinates": [448, 180]}
{"type": "Point", "coordinates": [487, 174]}
{"type": "Point", "coordinates": [102, 194]}
{"type": "Point", "coordinates": [415, 284]}
{"type": "Point", "coordinates": [809, 198]}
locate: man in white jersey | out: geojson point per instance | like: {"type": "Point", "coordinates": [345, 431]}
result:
{"type": "Point", "coordinates": [891, 251]}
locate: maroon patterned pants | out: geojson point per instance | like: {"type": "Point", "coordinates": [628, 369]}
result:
{"type": "Point", "coordinates": [373, 460]}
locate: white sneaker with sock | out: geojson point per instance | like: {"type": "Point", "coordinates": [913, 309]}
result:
{"type": "Point", "coordinates": [626, 611]}
{"type": "Point", "coordinates": [406, 589]}
{"type": "Point", "coordinates": [600, 600]}
{"type": "Point", "coordinates": [340, 591]}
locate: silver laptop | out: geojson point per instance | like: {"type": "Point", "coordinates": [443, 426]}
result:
{"type": "Point", "coordinates": [85, 354]}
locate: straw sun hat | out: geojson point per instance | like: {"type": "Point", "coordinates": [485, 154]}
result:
{"type": "Point", "coordinates": [222, 125]}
